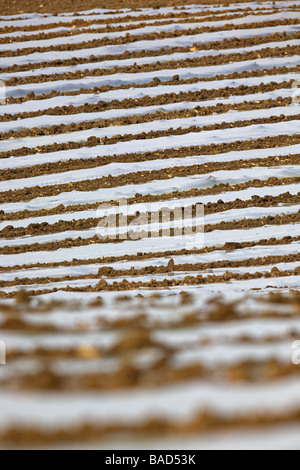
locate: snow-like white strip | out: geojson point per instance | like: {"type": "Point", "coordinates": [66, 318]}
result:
{"type": "Point", "coordinates": [180, 401]}
{"type": "Point", "coordinates": [93, 23]}
{"type": "Point", "coordinates": [135, 93]}
{"type": "Point", "coordinates": [233, 291]}
{"type": "Point", "coordinates": [282, 437]}
{"type": "Point", "coordinates": [159, 126]}
{"type": "Point", "coordinates": [148, 207]}
{"type": "Point", "coordinates": [148, 245]}
{"type": "Point", "coordinates": [144, 77]}
{"type": "Point", "coordinates": [20, 342]}
{"type": "Point", "coordinates": [41, 19]}
{"type": "Point", "coordinates": [173, 403]}
{"type": "Point", "coordinates": [176, 277]}
{"type": "Point", "coordinates": [155, 187]}
{"type": "Point", "coordinates": [226, 216]}
{"type": "Point", "coordinates": [147, 45]}
{"type": "Point", "coordinates": [229, 354]}
{"type": "Point", "coordinates": [24, 19]}
{"type": "Point", "coordinates": [222, 333]}
{"type": "Point", "coordinates": [212, 357]}
{"type": "Point", "coordinates": [84, 37]}
{"type": "Point", "coordinates": [21, 20]}
{"type": "Point", "coordinates": [109, 64]}
{"type": "Point", "coordinates": [215, 256]}
{"type": "Point", "coordinates": [174, 141]}
{"type": "Point", "coordinates": [46, 121]}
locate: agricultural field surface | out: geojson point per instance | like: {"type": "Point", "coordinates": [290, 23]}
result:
{"type": "Point", "coordinates": [150, 225]}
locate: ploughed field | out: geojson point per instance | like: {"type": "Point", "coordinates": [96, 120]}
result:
{"type": "Point", "coordinates": [148, 338]}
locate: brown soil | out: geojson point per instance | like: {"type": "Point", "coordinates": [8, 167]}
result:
{"type": "Point", "coordinates": [159, 115]}
{"type": "Point", "coordinates": [173, 81]}
{"type": "Point", "coordinates": [55, 6]}
{"type": "Point", "coordinates": [111, 273]}
{"type": "Point", "coordinates": [198, 280]}
{"type": "Point", "coordinates": [26, 194]}
{"type": "Point", "coordinates": [158, 100]}
{"type": "Point", "coordinates": [242, 224]}
{"type": "Point", "coordinates": [136, 334]}
{"type": "Point", "coordinates": [90, 352]}
{"type": "Point", "coordinates": [225, 44]}
{"type": "Point", "coordinates": [86, 224]}
{"type": "Point", "coordinates": [177, 14]}
{"type": "Point", "coordinates": [165, 254]}
{"type": "Point", "coordinates": [138, 198]}
{"type": "Point", "coordinates": [152, 67]}
{"type": "Point", "coordinates": [95, 141]}
{"type": "Point", "coordinates": [107, 28]}
{"type": "Point", "coordinates": [131, 377]}
{"type": "Point", "coordinates": [201, 423]}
